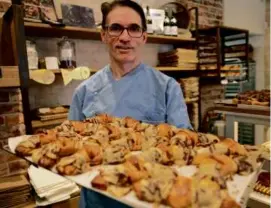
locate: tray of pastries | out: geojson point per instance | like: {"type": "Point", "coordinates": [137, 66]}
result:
{"type": "Point", "coordinates": [263, 183]}
{"type": "Point", "coordinates": [142, 165]}
{"type": "Point", "coordinates": [258, 99]}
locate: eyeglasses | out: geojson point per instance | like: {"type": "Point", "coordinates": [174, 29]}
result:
{"type": "Point", "coordinates": [134, 30]}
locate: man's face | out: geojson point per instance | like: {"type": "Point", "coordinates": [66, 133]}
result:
{"type": "Point", "coordinates": [124, 48]}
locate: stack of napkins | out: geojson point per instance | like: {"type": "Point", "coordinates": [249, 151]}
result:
{"type": "Point", "coordinates": [50, 187]}
{"type": "Point", "coordinates": [14, 191]}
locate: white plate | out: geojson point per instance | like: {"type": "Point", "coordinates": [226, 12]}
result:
{"type": "Point", "coordinates": [239, 188]}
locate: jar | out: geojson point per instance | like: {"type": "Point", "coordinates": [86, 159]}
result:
{"type": "Point", "coordinates": [32, 55]}
{"type": "Point", "coordinates": [66, 52]}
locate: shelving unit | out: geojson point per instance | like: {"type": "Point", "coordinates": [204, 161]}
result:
{"type": "Point", "coordinates": [222, 52]}
{"type": "Point", "coordinates": [45, 30]}
{"type": "Point", "coordinates": [16, 31]}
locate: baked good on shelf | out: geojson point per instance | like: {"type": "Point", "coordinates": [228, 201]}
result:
{"type": "Point", "coordinates": [26, 147]}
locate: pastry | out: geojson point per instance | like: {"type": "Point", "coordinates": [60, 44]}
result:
{"type": "Point", "coordinates": [176, 155]}
{"type": "Point", "coordinates": [46, 156]}
{"type": "Point", "coordinates": [100, 119]}
{"type": "Point", "coordinates": [95, 152]}
{"type": "Point", "coordinates": [115, 153]}
{"type": "Point", "coordinates": [129, 122]}
{"type": "Point", "coordinates": [155, 155]}
{"type": "Point", "coordinates": [224, 164]}
{"type": "Point", "coordinates": [134, 168]}
{"type": "Point", "coordinates": [190, 135]}
{"type": "Point", "coordinates": [180, 139]}
{"type": "Point", "coordinates": [114, 132]}
{"type": "Point", "coordinates": [160, 172]}
{"type": "Point", "coordinates": [180, 196]}
{"type": "Point", "coordinates": [205, 140]}
{"type": "Point", "coordinates": [246, 164]}
{"type": "Point", "coordinates": [134, 140]}
{"type": "Point", "coordinates": [234, 147]}
{"type": "Point", "coordinates": [75, 164]}
{"type": "Point", "coordinates": [152, 190]}
{"type": "Point", "coordinates": [26, 147]}
{"type": "Point", "coordinates": [114, 180]}
{"type": "Point", "coordinates": [164, 130]}
{"type": "Point", "coordinates": [49, 154]}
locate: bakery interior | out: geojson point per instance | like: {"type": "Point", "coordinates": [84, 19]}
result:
{"type": "Point", "coordinates": [220, 56]}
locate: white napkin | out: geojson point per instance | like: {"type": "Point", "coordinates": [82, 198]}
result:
{"type": "Point", "coordinates": [50, 187]}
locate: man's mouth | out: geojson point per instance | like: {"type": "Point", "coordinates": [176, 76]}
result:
{"type": "Point", "coordinates": [124, 48]}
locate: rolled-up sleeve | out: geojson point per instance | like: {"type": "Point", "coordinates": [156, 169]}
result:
{"type": "Point", "coordinates": [76, 107]}
{"type": "Point", "coordinates": [176, 108]}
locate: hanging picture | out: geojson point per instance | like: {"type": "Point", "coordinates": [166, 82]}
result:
{"type": "Point", "coordinates": [74, 15]}
{"type": "Point", "coordinates": [47, 10]}
{"type": "Point", "coordinates": [31, 10]}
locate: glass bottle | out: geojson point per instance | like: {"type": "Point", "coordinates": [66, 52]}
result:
{"type": "Point", "coordinates": [149, 21]}
{"type": "Point", "coordinates": [66, 51]}
{"type": "Point", "coordinates": [166, 23]}
{"type": "Point", "coordinates": [32, 55]}
{"type": "Point", "coordinates": [173, 25]}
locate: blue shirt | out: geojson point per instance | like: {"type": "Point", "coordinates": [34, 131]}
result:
{"type": "Point", "coordinates": [144, 94]}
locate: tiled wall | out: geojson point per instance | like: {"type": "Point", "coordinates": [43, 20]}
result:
{"type": "Point", "coordinates": [94, 53]}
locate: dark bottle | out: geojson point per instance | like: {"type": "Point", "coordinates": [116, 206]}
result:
{"type": "Point", "coordinates": [166, 23]}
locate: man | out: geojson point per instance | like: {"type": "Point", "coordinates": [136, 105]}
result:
{"type": "Point", "coordinates": [127, 87]}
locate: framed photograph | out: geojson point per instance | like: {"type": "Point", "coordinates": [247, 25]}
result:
{"type": "Point", "coordinates": [31, 10]}
{"type": "Point", "coordinates": [74, 15]}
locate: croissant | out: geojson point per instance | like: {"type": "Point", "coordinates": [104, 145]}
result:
{"type": "Point", "coordinates": [25, 148]}
{"type": "Point", "coordinates": [114, 180]}
{"type": "Point", "coordinates": [234, 147]}
{"type": "Point", "coordinates": [152, 190]}
{"type": "Point", "coordinates": [95, 152]}
{"type": "Point", "coordinates": [164, 130]}
{"type": "Point", "coordinates": [134, 140]}
{"type": "Point", "coordinates": [75, 164]}
{"type": "Point", "coordinates": [224, 164]}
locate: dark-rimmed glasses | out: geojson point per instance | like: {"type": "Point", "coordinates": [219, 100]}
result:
{"type": "Point", "coordinates": [133, 30]}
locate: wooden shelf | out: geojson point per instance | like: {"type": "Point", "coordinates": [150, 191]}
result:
{"type": "Point", "coordinates": [40, 124]}
{"type": "Point", "coordinates": [166, 68]}
{"type": "Point", "coordinates": [58, 71]}
{"type": "Point", "coordinates": [45, 30]}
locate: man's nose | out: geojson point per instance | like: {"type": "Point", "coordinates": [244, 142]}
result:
{"type": "Point", "coordinates": [124, 36]}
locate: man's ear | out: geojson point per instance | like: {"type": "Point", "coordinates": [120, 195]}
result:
{"type": "Point", "coordinates": [103, 35]}
{"type": "Point", "coordinates": [145, 37]}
